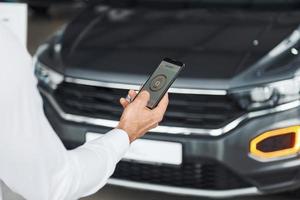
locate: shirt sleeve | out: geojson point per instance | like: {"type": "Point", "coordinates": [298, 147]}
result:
{"type": "Point", "coordinates": [34, 162]}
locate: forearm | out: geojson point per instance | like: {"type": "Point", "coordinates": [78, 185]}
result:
{"type": "Point", "coordinates": [96, 160]}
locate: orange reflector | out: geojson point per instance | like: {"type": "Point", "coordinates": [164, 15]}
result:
{"type": "Point", "coordinates": [276, 143]}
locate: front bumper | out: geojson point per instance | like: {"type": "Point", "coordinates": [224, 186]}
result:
{"type": "Point", "coordinates": [231, 151]}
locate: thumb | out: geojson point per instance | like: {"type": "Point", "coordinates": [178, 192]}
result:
{"type": "Point", "coordinates": [142, 98]}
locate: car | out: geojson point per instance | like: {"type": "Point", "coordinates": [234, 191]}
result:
{"type": "Point", "coordinates": [232, 127]}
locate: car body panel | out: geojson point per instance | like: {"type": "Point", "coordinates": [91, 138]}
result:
{"type": "Point", "coordinates": [205, 59]}
{"type": "Point", "coordinates": [232, 149]}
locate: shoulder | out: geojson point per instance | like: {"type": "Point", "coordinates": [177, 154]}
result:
{"type": "Point", "coordinates": [15, 61]}
{"type": "Point", "coordinates": [10, 46]}
{"type": "Point", "coordinates": [13, 53]}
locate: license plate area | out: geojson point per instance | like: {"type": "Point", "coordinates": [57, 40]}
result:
{"type": "Point", "coordinates": [150, 151]}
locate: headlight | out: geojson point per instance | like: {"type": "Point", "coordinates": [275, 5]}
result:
{"type": "Point", "coordinates": [268, 95]}
{"type": "Point", "coordinates": [47, 76]}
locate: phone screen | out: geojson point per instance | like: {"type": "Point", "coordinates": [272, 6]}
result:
{"type": "Point", "coordinates": [161, 80]}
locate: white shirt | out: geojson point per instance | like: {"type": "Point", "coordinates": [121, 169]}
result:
{"type": "Point", "coordinates": [33, 161]}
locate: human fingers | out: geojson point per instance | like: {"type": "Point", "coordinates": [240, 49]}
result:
{"type": "Point", "coordinates": [124, 102]}
{"type": "Point", "coordinates": [159, 111]}
{"type": "Point", "coordinates": [132, 94]}
{"type": "Point", "coordinates": [142, 98]}
{"type": "Point", "coordinates": [163, 104]}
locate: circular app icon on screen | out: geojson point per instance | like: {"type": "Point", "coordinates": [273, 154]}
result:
{"type": "Point", "coordinates": [158, 82]}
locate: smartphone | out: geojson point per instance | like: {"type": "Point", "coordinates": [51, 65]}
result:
{"type": "Point", "coordinates": [161, 80]}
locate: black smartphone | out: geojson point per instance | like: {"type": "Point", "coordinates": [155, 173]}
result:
{"type": "Point", "coordinates": [161, 80]}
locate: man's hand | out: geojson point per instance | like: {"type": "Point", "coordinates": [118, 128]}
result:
{"type": "Point", "coordinates": [137, 119]}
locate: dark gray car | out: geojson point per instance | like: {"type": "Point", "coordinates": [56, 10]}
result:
{"type": "Point", "coordinates": [232, 126]}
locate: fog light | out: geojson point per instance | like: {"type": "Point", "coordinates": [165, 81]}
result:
{"type": "Point", "coordinates": [277, 143]}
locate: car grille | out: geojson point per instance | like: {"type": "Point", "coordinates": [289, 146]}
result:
{"type": "Point", "coordinates": [185, 110]}
{"type": "Point", "coordinates": [208, 175]}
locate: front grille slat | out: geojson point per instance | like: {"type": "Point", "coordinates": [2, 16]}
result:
{"type": "Point", "coordinates": [94, 106]}
{"type": "Point", "coordinates": [185, 110]}
{"type": "Point", "coordinates": [192, 115]}
{"type": "Point", "coordinates": [194, 104]}
{"type": "Point", "coordinates": [205, 175]}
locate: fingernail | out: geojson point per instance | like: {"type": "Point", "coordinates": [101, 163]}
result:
{"type": "Point", "coordinates": [128, 98]}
